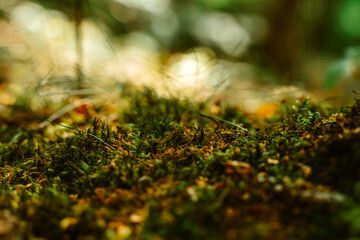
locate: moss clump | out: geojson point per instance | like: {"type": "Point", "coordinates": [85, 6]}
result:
{"type": "Point", "coordinates": [179, 175]}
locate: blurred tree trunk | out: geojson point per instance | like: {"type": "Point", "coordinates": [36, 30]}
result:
{"type": "Point", "coordinates": [283, 43]}
{"type": "Point", "coordinates": [79, 13]}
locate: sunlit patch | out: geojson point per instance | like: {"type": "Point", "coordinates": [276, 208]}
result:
{"type": "Point", "coordinates": [135, 59]}
{"type": "Point", "coordinates": [140, 43]}
{"type": "Point", "coordinates": [54, 42]}
{"type": "Point", "coordinates": [222, 30]}
{"type": "Point", "coordinates": [266, 110]}
{"type": "Point", "coordinates": [48, 41]}
{"type": "Point", "coordinates": [57, 25]}
{"type": "Point", "coordinates": [27, 15]}
{"type": "Point", "coordinates": [5, 96]}
{"type": "Point", "coordinates": [47, 36]}
{"type": "Point", "coordinates": [95, 47]}
{"type": "Point", "coordinates": [134, 56]}
{"type": "Point", "coordinates": [191, 70]}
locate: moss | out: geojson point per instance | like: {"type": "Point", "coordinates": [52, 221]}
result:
{"type": "Point", "coordinates": [176, 174]}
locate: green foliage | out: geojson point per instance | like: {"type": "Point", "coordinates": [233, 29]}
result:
{"type": "Point", "coordinates": [348, 18]}
{"type": "Point", "coordinates": [344, 67]}
{"type": "Point", "coordinates": [335, 72]}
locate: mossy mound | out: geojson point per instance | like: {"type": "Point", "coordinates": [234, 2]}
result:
{"type": "Point", "coordinates": [177, 173]}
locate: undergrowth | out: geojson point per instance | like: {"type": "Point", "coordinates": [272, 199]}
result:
{"type": "Point", "coordinates": [180, 175]}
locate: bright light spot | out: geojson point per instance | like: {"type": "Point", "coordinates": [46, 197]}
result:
{"type": "Point", "coordinates": [95, 47]}
{"type": "Point", "coordinates": [187, 67]}
{"type": "Point", "coordinates": [135, 59]}
{"type": "Point", "coordinates": [153, 6]}
{"type": "Point", "coordinates": [223, 30]}
{"type": "Point", "coordinates": [55, 24]}
{"type": "Point", "coordinates": [28, 15]}
{"type": "Point", "coordinates": [191, 69]}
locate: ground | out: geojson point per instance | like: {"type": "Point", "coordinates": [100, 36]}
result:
{"type": "Point", "coordinates": [171, 169]}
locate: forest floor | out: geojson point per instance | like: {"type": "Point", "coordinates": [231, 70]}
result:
{"type": "Point", "coordinates": [166, 169]}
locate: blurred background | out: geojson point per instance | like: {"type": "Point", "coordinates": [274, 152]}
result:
{"type": "Point", "coordinates": [246, 52]}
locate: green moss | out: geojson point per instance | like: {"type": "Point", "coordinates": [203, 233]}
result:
{"type": "Point", "coordinates": [178, 174]}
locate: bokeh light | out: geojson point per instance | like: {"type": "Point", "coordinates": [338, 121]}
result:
{"type": "Point", "coordinates": [224, 49]}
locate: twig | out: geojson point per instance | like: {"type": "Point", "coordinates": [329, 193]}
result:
{"type": "Point", "coordinates": [225, 121]}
